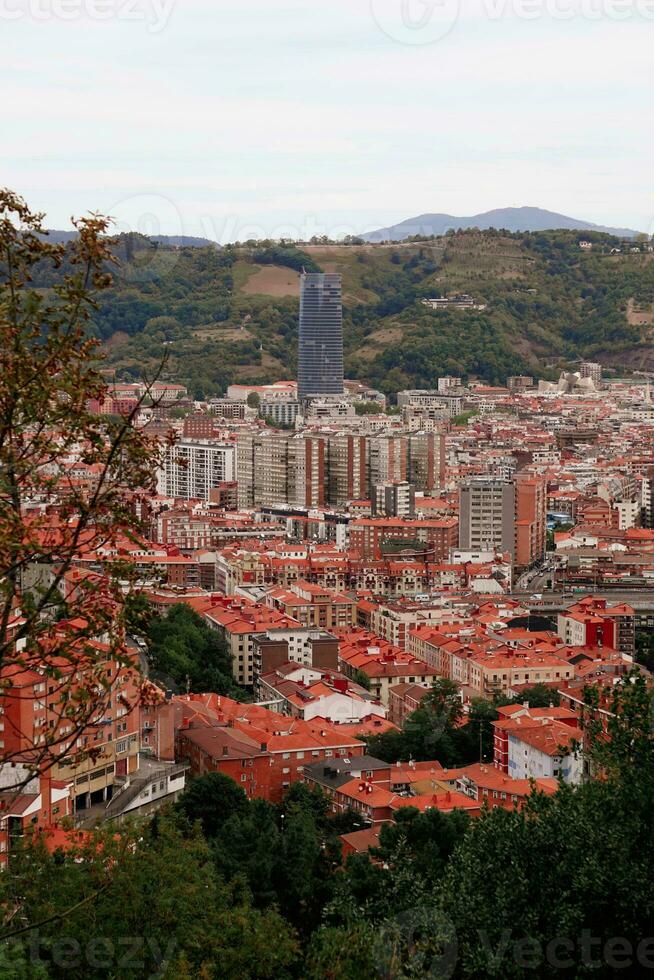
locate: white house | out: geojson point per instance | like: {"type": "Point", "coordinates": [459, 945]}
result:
{"type": "Point", "coordinates": [546, 750]}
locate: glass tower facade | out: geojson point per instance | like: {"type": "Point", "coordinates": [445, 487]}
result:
{"type": "Point", "coordinates": [320, 350]}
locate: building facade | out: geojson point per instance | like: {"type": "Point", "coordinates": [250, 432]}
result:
{"type": "Point", "coordinates": [193, 468]}
{"type": "Point", "coordinates": [320, 350]}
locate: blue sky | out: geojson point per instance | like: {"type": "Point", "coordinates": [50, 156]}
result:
{"type": "Point", "coordinates": [244, 118]}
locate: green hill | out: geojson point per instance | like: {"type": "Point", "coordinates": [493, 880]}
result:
{"type": "Point", "coordinates": [229, 314]}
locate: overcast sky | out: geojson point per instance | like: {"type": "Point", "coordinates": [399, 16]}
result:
{"type": "Point", "coordinates": [240, 118]}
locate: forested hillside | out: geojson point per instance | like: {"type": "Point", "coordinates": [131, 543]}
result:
{"type": "Point", "coordinates": [231, 314]}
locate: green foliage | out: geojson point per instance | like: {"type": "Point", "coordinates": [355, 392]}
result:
{"type": "Point", "coordinates": [435, 731]}
{"type": "Point", "coordinates": [361, 678]}
{"type": "Point", "coordinates": [212, 799]}
{"type": "Point", "coordinates": [152, 892]}
{"type": "Point", "coordinates": [439, 730]}
{"type": "Point", "coordinates": [367, 408]}
{"type": "Point", "coordinates": [286, 255]}
{"type": "Point", "coordinates": [537, 696]}
{"type": "Point", "coordinates": [284, 853]}
{"type": "Point", "coordinates": [265, 894]}
{"type": "Point", "coordinates": [645, 648]}
{"type": "Point", "coordinates": [545, 301]}
{"type": "Point", "coordinates": [464, 417]}
{"type": "Point", "coordinates": [183, 649]}
{"type": "Point", "coordinates": [340, 953]}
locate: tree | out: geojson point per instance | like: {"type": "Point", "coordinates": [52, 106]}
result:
{"type": "Point", "coordinates": [538, 696]}
{"type": "Point", "coordinates": [151, 892]}
{"type": "Point", "coordinates": [212, 799]}
{"type": "Point", "coordinates": [339, 953]}
{"type": "Point", "coordinates": [433, 731]}
{"type": "Point", "coordinates": [254, 399]}
{"type": "Point", "coordinates": [361, 678]}
{"type": "Point", "coordinates": [367, 408]}
{"type": "Point", "coordinates": [184, 650]}
{"type": "Point", "coordinates": [645, 649]}
{"type": "Point", "coordinates": [50, 618]}
{"type": "Point", "coordinates": [248, 845]}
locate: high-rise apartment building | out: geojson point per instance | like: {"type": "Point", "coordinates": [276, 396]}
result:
{"type": "Point", "coordinates": [265, 469]}
{"type": "Point", "coordinates": [487, 515]}
{"type": "Point", "coordinates": [317, 470]}
{"type": "Point", "coordinates": [320, 348]}
{"type": "Point", "coordinates": [309, 474]}
{"type": "Point", "coordinates": [347, 469]}
{"type": "Point", "coordinates": [193, 468]}
{"type": "Point", "coordinates": [530, 521]}
{"type": "Point", "coordinates": [504, 515]}
{"type": "Point", "coordinates": [592, 370]}
{"type": "Point", "coordinates": [387, 459]}
{"type": "Point", "coordinates": [418, 458]}
{"type": "Point", "coordinates": [393, 500]}
{"type": "Point", "coordinates": [425, 452]}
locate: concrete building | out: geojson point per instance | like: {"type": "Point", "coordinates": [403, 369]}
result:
{"type": "Point", "coordinates": [418, 458]}
{"type": "Point", "coordinates": [193, 468]}
{"type": "Point", "coordinates": [393, 500]}
{"type": "Point", "coordinates": [347, 470]}
{"type": "Point", "coordinates": [505, 515]}
{"type": "Point", "coordinates": [487, 515]}
{"type": "Point", "coordinates": [239, 621]}
{"type": "Point", "coordinates": [530, 521]}
{"type": "Point", "coordinates": [280, 411]}
{"type": "Point", "coordinates": [545, 751]}
{"type": "Point", "coordinates": [519, 382]}
{"type": "Point", "coordinates": [592, 370]}
{"type": "Point", "coordinates": [264, 469]}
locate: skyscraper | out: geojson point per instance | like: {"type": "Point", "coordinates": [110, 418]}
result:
{"type": "Point", "coordinates": [320, 349]}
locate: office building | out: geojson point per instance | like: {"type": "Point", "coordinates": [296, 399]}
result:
{"type": "Point", "coordinates": [320, 349]}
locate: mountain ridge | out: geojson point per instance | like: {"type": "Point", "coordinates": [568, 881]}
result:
{"type": "Point", "coordinates": [526, 219]}
{"type": "Point", "coordinates": [57, 236]}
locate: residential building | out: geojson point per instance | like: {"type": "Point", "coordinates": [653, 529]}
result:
{"type": "Point", "coordinates": [261, 750]}
{"type": "Point", "coordinates": [313, 605]}
{"type": "Point", "coordinates": [194, 467]}
{"type": "Point", "coordinates": [487, 515]}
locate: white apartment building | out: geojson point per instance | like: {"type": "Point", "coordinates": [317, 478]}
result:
{"type": "Point", "coordinates": [544, 751]}
{"type": "Point", "coordinates": [193, 467]}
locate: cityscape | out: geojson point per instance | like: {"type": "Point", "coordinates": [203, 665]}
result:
{"type": "Point", "coordinates": [326, 553]}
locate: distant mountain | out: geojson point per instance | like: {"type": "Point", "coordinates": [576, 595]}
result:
{"type": "Point", "coordinates": [59, 237]}
{"type": "Point", "coordinates": [511, 219]}
{"type": "Point", "coordinates": [185, 241]}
